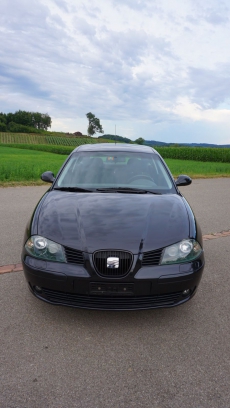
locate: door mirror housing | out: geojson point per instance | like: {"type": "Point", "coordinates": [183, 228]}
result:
{"type": "Point", "coordinates": [183, 180]}
{"type": "Point", "coordinates": [48, 176]}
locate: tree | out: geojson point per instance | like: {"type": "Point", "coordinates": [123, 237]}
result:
{"type": "Point", "coordinates": [3, 118]}
{"type": "Point", "coordinates": [22, 118]}
{"type": "Point", "coordinates": [3, 127]}
{"type": "Point", "coordinates": [35, 120]}
{"type": "Point", "coordinates": [94, 124]}
{"type": "Point", "coordinates": [41, 120]}
{"type": "Point", "coordinates": [140, 141]}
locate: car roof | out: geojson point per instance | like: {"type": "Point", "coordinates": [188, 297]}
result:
{"type": "Point", "coordinates": [121, 147]}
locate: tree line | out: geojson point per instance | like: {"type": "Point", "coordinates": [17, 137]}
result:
{"type": "Point", "coordinates": [36, 122]}
{"type": "Point", "coordinates": [24, 122]}
{"type": "Point", "coordinates": [122, 139]}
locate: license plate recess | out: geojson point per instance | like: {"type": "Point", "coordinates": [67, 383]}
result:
{"type": "Point", "coordinates": [112, 289]}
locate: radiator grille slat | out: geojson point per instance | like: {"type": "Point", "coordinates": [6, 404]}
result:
{"type": "Point", "coordinates": [100, 263]}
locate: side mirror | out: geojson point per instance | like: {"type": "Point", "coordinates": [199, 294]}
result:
{"type": "Point", "coordinates": [183, 180]}
{"type": "Point", "coordinates": [48, 176]}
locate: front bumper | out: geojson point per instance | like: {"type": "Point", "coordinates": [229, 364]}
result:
{"type": "Point", "coordinates": [147, 288]}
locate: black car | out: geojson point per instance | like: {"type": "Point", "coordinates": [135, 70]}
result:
{"type": "Point", "coordinates": [113, 232]}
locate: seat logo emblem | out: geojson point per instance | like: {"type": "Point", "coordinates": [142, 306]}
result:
{"type": "Point", "coordinates": [113, 263]}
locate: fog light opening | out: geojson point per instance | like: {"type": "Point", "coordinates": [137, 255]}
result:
{"type": "Point", "coordinates": [186, 292]}
{"type": "Point", "coordinates": [38, 289]}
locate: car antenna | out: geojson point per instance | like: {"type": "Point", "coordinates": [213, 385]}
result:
{"type": "Point", "coordinates": [115, 135]}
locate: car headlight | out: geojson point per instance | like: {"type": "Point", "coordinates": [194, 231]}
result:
{"type": "Point", "coordinates": [43, 248]}
{"type": "Point", "coordinates": [184, 251]}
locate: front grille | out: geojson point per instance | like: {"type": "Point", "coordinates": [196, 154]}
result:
{"type": "Point", "coordinates": [100, 263]}
{"type": "Point", "coordinates": [111, 302]}
{"type": "Point", "coordinates": [74, 256]}
{"type": "Point", "coordinates": [152, 258]}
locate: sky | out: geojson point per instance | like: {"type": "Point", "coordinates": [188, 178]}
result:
{"type": "Point", "coordinates": [157, 70]}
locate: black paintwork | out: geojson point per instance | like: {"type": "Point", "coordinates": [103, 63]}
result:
{"type": "Point", "coordinates": [48, 176]}
{"type": "Point", "coordinates": [98, 221]}
{"type": "Point", "coordinates": [90, 221]}
{"type": "Point", "coordinates": [183, 180]}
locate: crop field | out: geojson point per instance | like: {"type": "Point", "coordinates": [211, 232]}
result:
{"type": "Point", "coordinates": [38, 139]}
{"type": "Point", "coordinates": [23, 166]}
{"type": "Point", "coordinates": [203, 154]}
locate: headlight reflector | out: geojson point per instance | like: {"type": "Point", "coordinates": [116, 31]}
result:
{"type": "Point", "coordinates": [40, 245]}
{"type": "Point", "coordinates": [43, 248]}
{"type": "Point", "coordinates": [184, 251]}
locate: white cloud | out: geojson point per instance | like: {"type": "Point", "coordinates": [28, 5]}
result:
{"type": "Point", "coordinates": [137, 63]}
{"type": "Point", "coordinates": [184, 108]}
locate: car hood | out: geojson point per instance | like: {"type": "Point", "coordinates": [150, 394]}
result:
{"type": "Point", "coordinates": [94, 221]}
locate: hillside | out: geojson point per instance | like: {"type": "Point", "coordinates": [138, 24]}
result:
{"type": "Point", "coordinates": [53, 138]}
{"type": "Point", "coordinates": [158, 143]}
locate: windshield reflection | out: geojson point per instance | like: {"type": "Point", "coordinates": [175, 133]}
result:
{"type": "Point", "coordinates": [101, 170]}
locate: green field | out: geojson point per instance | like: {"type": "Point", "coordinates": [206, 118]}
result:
{"type": "Point", "coordinates": [63, 144]}
{"type": "Point", "coordinates": [22, 166]}
{"type": "Point", "coordinates": [198, 169]}
{"type": "Point", "coordinates": [26, 166]}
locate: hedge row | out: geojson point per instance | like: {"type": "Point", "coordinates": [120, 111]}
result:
{"type": "Point", "coordinates": [204, 154]}
{"type": "Point", "coordinates": [42, 148]}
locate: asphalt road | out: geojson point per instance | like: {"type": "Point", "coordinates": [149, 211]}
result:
{"type": "Point", "coordinates": [56, 357]}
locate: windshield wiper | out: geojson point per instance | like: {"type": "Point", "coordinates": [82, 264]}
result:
{"type": "Point", "coordinates": [108, 190]}
{"type": "Point", "coordinates": [74, 189]}
{"type": "Point", "coordinates": [126, 190]}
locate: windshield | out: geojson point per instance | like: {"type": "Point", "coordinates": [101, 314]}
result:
{"type": "Point", "coordinates": [113, 170]}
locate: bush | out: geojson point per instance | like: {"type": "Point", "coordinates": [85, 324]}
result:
{"type": "Point", "coordinates": [66, 150]}
{"type": "Point", "coordinates": [17, 128]}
